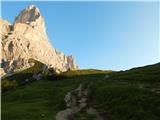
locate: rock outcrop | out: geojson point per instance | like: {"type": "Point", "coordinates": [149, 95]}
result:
{"type": "Point", "coordinates": [27, 38]}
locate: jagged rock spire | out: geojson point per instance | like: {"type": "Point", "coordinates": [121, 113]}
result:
{"type": "Point", "coordinates": [29, 14]}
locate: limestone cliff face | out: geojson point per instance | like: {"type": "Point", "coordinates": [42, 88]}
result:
{"type": "Point", "coordinates": [26, 39]}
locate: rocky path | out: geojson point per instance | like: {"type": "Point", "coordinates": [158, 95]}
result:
{"type": "Point", "coordinates": [75, 101]}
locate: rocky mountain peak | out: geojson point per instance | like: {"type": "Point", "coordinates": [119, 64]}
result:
{"type": "Point", "coordinates": [26, 39]}
{"type": "Point", "coordinates": [29, 14]}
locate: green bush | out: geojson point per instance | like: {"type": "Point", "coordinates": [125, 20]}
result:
{"type": "Point", "coordinates": [8, 84]}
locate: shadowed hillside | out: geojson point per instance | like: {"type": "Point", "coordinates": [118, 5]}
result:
{"type": "Point", "coordinates": [126, 95]}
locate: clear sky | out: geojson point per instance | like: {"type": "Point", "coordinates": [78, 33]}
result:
{"type": "Point", "coordinates": [101, 35]}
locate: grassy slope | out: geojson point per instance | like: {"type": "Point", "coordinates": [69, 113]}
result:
{"type": "Point", "coordinates": [123, 96]}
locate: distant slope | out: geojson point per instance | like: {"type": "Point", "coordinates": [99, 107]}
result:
{"type": "Point", "coordinates": [149, 73]}
{"type": "Point", "coordinates": [122, 96]}
{"type": "Point", "coordinates": [85, 72]}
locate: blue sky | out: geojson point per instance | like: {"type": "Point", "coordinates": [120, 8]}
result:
{"type": "Point", "coordinates": [101, 35]}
